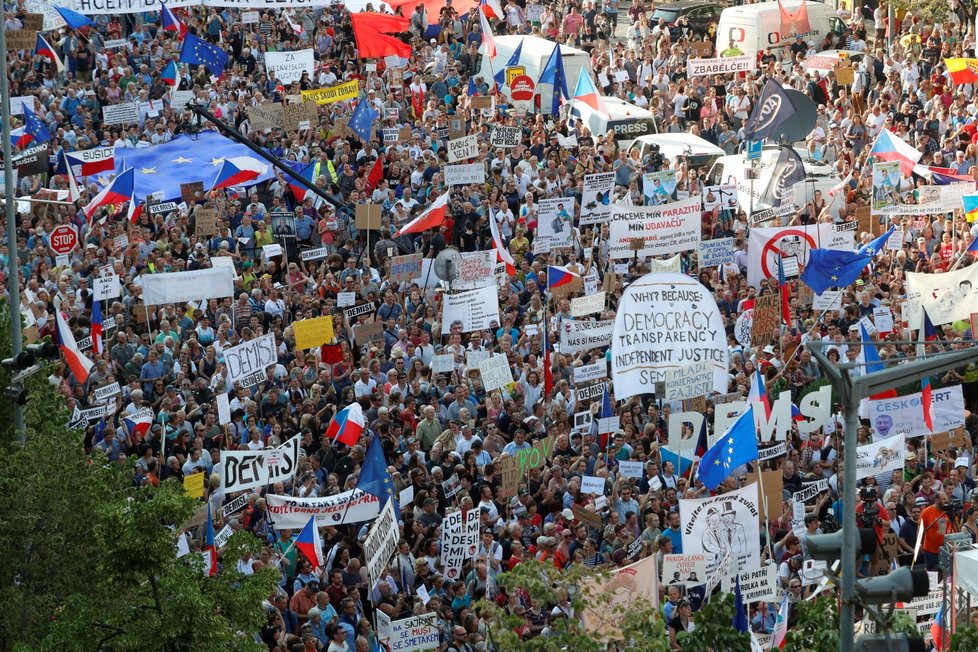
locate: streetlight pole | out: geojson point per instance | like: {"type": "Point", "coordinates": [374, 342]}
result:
{"type": "Point", "coordinates": [850, 390]}
{"type": "Point", "coordinates": [10, 206]}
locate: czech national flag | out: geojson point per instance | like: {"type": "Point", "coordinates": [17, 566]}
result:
{"type": "Point", "coordinates": [43, 49]}
{"type": "Point", "coordinates": [98, 329]}
{"type": "Point", "coordinates": [118, 192]}
{"type": "Point", "coordinates": [347, 425]}
{"type": "Point", "coordinates": [796, 414]}
{"type": "Point", "coordinates": [300, 192]}
{"type": "Point", "coordinates": [588, 93]}
{"type": "Point", "coordinates": [560, 276]}
{"type": "Point", "coordinates": [238, 170]}
{"type": "Point", "coordinates": [487, 38]}
{"type": "Point", "coordinates": [310, 544]}
{"type": "Point", "coordinates": [90, 162]}
{"type": "Point", "coordinates": [210, 546]}
{"type": "Point", "coordinates": [34, 130]}
{"type": "Point", "coordinates": [502, 253]}
{"type": "Point", "coordinates": [430, 219]}
{"type": "Point", "coordinates": [889, 147]}
{"type": "Point", "coordinates": [138, 424]}
{"type": "Point", "coordinates": [170, 74]}
{"type": "Point", "coordinates": [970, 205]}
{"type": "Point", "coordinates": [171, 23]}
{"type": "Point", "coordinates": [491, 9]}
{"type": "Point", "coordinates": [758, 394]}
{"type": "Point", "coordinates": [79, 364]}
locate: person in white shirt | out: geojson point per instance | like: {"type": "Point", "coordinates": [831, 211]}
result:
{"type": "Point", "coordinates": [365, 386]}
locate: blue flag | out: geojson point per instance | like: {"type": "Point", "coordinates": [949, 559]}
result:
{"type": "Point", "coordinates": [876, 245]}
{"type": "Point", "coordinates": [871, 355]}
{"type": "Point", "coordinates": [362, 120]}
{"type": "Point", "coordinates": [827, 268]}
{"type": "Point", "coordinates": [73, 19]}
{"type": "Point", "coordinates": [514, 60]}
{"type": "Point", "coordinates": [197, 51]}
{"type": "Point", "coordinates": [740, 622]}
{"type": "Point", "coordinates": [736, 447]}
{"type": "Point", "coordinates": [680, 464]}
{"type": "Point", "coordinates": [553, 73]}
{"type": "Point", "coordinates": [374, 477]}
{"type": "Point", "coordinates": [182, 160]}
{"type": "Point", "coordinates": [35, 131]}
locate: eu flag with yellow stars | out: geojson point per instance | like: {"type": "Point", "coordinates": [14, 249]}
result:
{"type": "Point", "coordinates": [827, 268]}
{"type": "Point", "coordinates": [197, 51]}
{"type": "Point", "coordinates": [374, 477]}
{"type": "Point", "coordinates": [736, 447]}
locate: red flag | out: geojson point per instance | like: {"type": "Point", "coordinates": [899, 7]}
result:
{"type": "Point", "coordinates": [375, 175]}
{"type": "Point", "coordinates": [372, 33]}
{"type": "Point", "coordinates": [417, 103]}
{"type": "Point", "coordinates": [795, 22]}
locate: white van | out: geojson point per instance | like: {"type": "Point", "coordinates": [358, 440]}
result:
{"type": "Point", "coordinates": [627, 121]}
{"type": "Point", "coordinates": [695, 151]}
{"type": "Point", "coordinates": [753, 28]}
{"type": "Point", "coordinates": [731, 170]}
{"type": "Point", "coordinates": [533, 57]}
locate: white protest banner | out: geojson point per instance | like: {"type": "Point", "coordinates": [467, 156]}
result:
{"type": "Point", "coordinates": [720, 524]}
{"type": "Point", "coordinates": [712, 253]}
{"type": "Point", "coordinates": [946, 297]}
{"type": "Point", "coordinates": [444, 363]}
{"type": "Point", "coordinates": [381, 542]}
{"type": "Point", "coordinates": [586, 305]}
{"type": "Point", "coordinates": [744, 327]}
{"type": "Point", "coordinates": [180, 99]}
{"type": "Point", "coordinates": [637, 583]}
{"type": "Point", "coordinates": [234, 505]}
{"type": "Point", "coordinates": [124, 113]}
{"type": "Point", "coordinates": [291, 513]}
{"type": "Point", "coordinates": [473, 309]}
{"type": "Point", "coordinates": [106, 392]}
{"type": "Point", "coordinates": [459, 540]}
{"type": "Point", "coordinates": [247, 469]}
{"type": "Point", "coordinates": [589, 393]}
{"type": "Point", "coordinates": [250, 17]}
{"type": "Point", "coordinates": [664, 321]}
{"type": "Point", "coordinates": [880, 458]}
{"type": "Point", "coordinates": [417, 633]}
{"type": "Point", "coordinates": [404, 269]}
{"type": "Point", "coordinates": [223, 409]}
{"type": "Point", "coordinates": [596, 198]}
{"type": "Point", "coordinates": [505, 137]}
{"type": "Point", "coordinates": [672, 264]}
{"type": "Point", "coordinates": [17, 104]}
{"type": "Point", "coordinates": [766, 244]}
{"type": "Point", "coordinates": [475, 270]}
{"type": "Point", "coordinates": [631, 469]}
{"type": "Point", "coordinates": [289, 66]}
{"type": "Point", "coordinates": [684, 569]}
{"type": "Point", "coordinates": [591, 484]}
{"type": "Point", "coordinates": [932, 199]}
{"type": "Point", "coordinates": [406, 497]}
{"type": "Point", "coordinates": [246, 363]}
{"type": "Point", "coordinates": [578, 335]}
{"type": "Point", "coordinates": [555, 224]}
{"type": "Point", "coordinates": [106, 288]}
{"type": "Point", "coordinates": [270, 251]}
{"type": "Point", "coordinates": [704, 67]}
{"type": "Point", "coordinates": [760, 585]}
{"type": "Point", "coordinates": [182, 287]}
{"type": "Point", "coordinates": [221, 538]}
{"type": "Point", "coordinates": [344, 299]}
{"type": "Point", "coordinates": [583, 421]}
{"type": "Point", "coordinates": [451, 486]}
{"type": "Point", "coordinates": [495, 372]}
{"type": "Point", "coordinates": [314, 254]}
{"type": "Point", "coordinates": [462, 174]}
{"type": "Point", "coordinates": [464, 148]}
{"type": "Point", "coordinates": [883, 318]}
{"type": "Point", "coordinates": [905, 414]}
{"type": "Point", "coordinates": [665, 229]}
{"type": "Point", "coordinates": [591, 372]}
{"type": "Point", "coordinates": [689, 381]}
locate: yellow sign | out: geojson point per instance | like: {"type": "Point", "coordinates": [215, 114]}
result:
{"type": "Point", "coordinates": [193, 485]}
{"type": "Point", "coordinates": [347, 91]}
{"type": "Point", "coordinates": [513, 72]}
{"type": "Point", "coordinates": [313, 332]}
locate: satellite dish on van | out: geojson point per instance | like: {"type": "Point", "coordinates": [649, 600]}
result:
{"type": "Point", "coordinates": [802, 123]}
{"type": "Point", "coordinates": [446, 264]}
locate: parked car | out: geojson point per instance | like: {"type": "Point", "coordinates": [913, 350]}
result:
{"type": "Point", "coordinates": [699, 14]}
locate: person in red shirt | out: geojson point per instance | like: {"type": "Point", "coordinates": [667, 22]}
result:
{"type": "Point", "coordinates": [937, 521]}
{"type": "Point", "coordinates": [870, 512]}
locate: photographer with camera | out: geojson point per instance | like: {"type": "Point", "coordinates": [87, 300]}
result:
{"type": "Point", "coordinates": [940, 519]}
{"type": "Point", "coordinates": [870, 513]}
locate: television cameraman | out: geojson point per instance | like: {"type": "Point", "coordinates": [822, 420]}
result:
{"type": "Point", "coordinates": [870, 513]}
{"type": "Point", "coordinates": [940, 519]}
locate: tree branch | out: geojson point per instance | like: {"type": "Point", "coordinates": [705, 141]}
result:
{"type": "Point", "coordinates": [115, 632]}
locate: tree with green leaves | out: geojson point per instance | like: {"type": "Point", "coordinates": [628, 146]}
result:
{"type": "Point", "coordinates": [90, 560]}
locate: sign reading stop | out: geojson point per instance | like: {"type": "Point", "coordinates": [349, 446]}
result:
{"type": "Point", "coordinates": [64, 239]}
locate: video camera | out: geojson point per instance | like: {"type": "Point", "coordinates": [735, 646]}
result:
{"type": "Point", "coordinates": [871, 509]}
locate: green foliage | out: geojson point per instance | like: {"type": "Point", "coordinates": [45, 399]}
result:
{"type": "Point", "coordinates": [902, 623]}
{"type": "Point", "coordinates": [817, 627]}
{"type": "Point", "coordinates": [965, 639]}
{"type": "Point", "coordinates": [642, 626]}
{"type": "Point", "coordinates": [90, 561]}
{"type": "Point", "coordinates": [813, 387]}
{"type": "Point", "coordinates": [714, 630]}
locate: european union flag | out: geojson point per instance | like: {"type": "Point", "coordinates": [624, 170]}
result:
{"type": "Point", "coordinates": [73, 19]}
{"type": "Point", "coordinates": [514, 60]}
{"type": "Point", "coordinates": [374, 477]}
{"type": "Point", "coordinates": [185, 159]}
{"type": "Point", "coordinates": [197, 51]}
{"type": "Point", "coordinates": [736, 447]}
{"type": "Point", "coordinates": [553, 73]}
{"type": "Point", "coordinates": [876, 245]}
{"type": "Point", "coordinates": [362, 120]}
{"type": "Point", "coordinates": [827, 268]}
